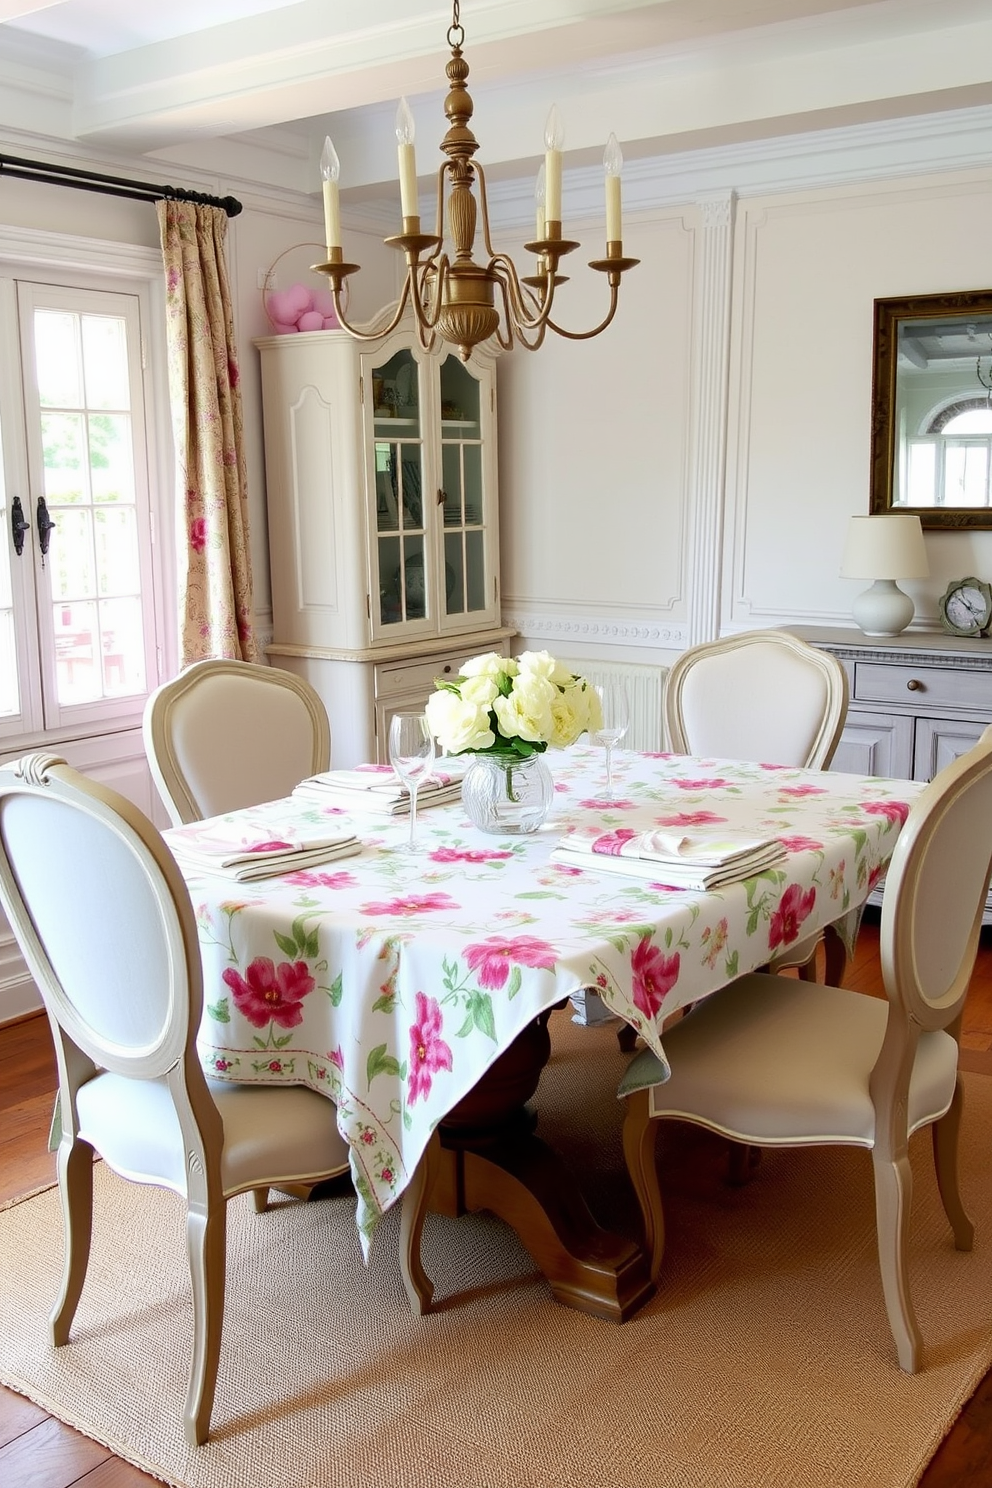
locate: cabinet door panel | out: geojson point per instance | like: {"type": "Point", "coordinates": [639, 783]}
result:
{"type": "Point", "coordinates": [875, 744]}
{"type": "Point", "coordinates": [939, 741]}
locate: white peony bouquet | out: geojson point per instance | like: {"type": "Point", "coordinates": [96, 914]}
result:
{"type": "Point", "coordinates": [516, 706]}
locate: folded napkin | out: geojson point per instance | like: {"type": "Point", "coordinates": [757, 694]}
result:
{"type": "Point", "coordinates": [697, 861]}
{"type": "Point", "coordinates": [230, 849]}
{"type": "Point", "coordinates": [378, 789]}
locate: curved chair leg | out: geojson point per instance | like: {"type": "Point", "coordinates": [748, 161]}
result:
{"type": "Point", "coordinates": [206, 1241]}
{"type": "Point", "coordinates": [260, 1199]}
{"type": "Point", "coordinates": [419, 1287]}
{"type": "Point", "coordinates": [945, 1161]}
{"type": "Point", "coordinates": [639, 1134]}
{"type": "Point", "coordinates": [75, 1173]}
{"type": "Point", "coordinates": [893, 1200]}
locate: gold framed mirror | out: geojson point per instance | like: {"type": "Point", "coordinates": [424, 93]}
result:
{"type": "Point", "coordinates": [931, 406]}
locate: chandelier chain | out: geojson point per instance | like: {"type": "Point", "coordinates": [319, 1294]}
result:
{"type": "Point", "coordinates": [456, 31]}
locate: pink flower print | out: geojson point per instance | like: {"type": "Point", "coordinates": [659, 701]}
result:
{"type": "Point", "coordinates": [274, 1066]}
{"type": "Point", "coordinates": [198, 534]}
{"type": "Point", "coordinates": [336, 1057]}
{"type": "Point", "coordinates": [414, 904]}
{"type": "Point", "coordinates": [306, 878]}
{"type": "Point", "coordinates": [611, 843]}
{"type": "Point", "coordinates": [563, 870]}
{"type": "Point", "coordinates": [690, 819]}
{"type": "Point", "coordinates": [491, 959]}
{"type": "Point", "coordinates": [601, 803]}
{"type": "Point", "coordinates": [776, 767]}
{"type": "Point", "coordinates": [276, 845]}
{"type": "Point", "coordinates": [428, 1051]}
{"type": "Point", "coordinates": [801, 844]}
{"type": "Point", "coordinates": [387, 1176]}
{"type": "Point", "coordinates": [469, 855]}
{"type": "Point", "coordinates": [794, 907]}
{"type": "Point", "coordinates": [271, 994]}
{"type": "Point", "coordinates": [893, 811]}
{"type": "Point", "coordinates": [701, 785]}
{"type": "Point", "coordinates": [655, 974]}
{"type": "Point", "coordinates": [367, 1136]}
{"type": "Point", "coordinates": [222, 1065]}
{"type": "Point", "coordinates": [802, 790]}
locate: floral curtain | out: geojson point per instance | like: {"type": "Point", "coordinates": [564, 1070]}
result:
{"type": "Point", "coordinates": [216, 605]}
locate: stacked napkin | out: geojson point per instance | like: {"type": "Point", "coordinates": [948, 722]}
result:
{"type": "Point", "coordinates": [231, 849]}
{"type": "Point", "coordinates": [378, 789]}
{"type": "Point", "coordinates": [700, 860]}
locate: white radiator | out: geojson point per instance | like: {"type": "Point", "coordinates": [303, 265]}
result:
{"type": "Point", "coordinates": [645, 686]}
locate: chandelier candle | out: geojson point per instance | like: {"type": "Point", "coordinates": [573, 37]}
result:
{"type": "Point", "coordinates": [409, 202]}
{"type": "Point", "coordinates": [330, 170]}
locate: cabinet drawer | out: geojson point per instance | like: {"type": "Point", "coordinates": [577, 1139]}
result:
{"type": "Point", "coordinates": [923, 687]}
{"type": "Point", "coordinates": [415, 678]}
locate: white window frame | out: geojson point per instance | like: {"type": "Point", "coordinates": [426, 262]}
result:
{"type": "Point", "coordinates": [93, 263]}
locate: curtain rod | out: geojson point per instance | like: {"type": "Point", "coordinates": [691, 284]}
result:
{"type": "Point", "coordinates": [65, 175]}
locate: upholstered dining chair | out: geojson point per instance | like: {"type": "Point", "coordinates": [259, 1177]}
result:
{"type": "Point", "coordinates": [786, 1064]}
{"type": "Point", "coordinates": [766, 696]}
{"type": "Point", "coordinates": [228, 734]}
{"type": "Point", "coordinates": [104, 921]}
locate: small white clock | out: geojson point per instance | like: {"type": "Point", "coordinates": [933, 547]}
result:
{"type": "Point", "coordinates": [966, 607]}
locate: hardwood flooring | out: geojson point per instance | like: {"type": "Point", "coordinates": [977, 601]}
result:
{"type": "Point", "coordinates": [37, 1451]}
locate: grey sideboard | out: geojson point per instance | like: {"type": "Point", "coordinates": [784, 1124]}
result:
{"type": "Point", "coordinates": [918, 700]}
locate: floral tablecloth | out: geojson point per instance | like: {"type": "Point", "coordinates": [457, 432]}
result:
{"type": "Point", "coordinates": [390, 981]}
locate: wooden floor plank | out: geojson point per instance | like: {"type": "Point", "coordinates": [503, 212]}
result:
{"type": "Point", "coordinates": [50, 1455]}
{"type": "Point", "coordinates": [17, 1415]}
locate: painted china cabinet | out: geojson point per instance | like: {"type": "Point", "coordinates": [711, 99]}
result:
{"type": "Point", "coordinates": [383, 522]}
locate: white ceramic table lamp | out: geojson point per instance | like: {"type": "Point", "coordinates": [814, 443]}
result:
{"type": "Point", "coordinates": [884, 548]}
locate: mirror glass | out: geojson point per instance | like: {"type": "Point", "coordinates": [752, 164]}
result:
{"type": "Point", "coordinates": [932, 408]}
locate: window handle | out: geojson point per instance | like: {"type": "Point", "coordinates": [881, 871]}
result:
{"type": "Point", "coordinates": [18, 526]}
{"type": "Point", "coordinates": [45, 527]}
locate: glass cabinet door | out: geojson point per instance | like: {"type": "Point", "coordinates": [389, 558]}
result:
{"type": "Point", "coordinates": [400, 531]}
{"type": "Point", "coordinates": [462, 497]}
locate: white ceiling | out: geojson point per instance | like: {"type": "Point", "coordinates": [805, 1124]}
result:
{"type": "Point", "coordinates": [174, 78]}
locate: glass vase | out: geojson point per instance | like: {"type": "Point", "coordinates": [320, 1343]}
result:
{"type": "Point", "coordinates": [506, 794]}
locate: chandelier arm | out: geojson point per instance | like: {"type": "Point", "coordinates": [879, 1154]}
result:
{"type": "Point", "coordinates": [518, 330]}
{"type": "Point", "coordinates": [437, 265]}
{"type": "Point", "coordinates": [484, 204]}
{"type": "Point", "coordinates": [374, 335]}
{"type": "Point", "coordinates": [587, 335]}
{"type": "Point", "coordinates": [525, 317]}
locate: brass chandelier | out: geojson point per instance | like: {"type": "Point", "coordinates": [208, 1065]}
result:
{"type": "Point", "coordinates": [455, 299]}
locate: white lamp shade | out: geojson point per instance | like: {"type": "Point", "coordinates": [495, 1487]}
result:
{"type": "Point", "coordinates": [885, 547]}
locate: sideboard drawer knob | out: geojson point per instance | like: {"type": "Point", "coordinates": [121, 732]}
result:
{"type": "Point", "coordinates": [914, 685]}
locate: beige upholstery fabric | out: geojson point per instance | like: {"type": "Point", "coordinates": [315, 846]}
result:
{"type": "Point", "coordinates": [104, 921]}
{"type": "Point", "coordinates": [763, 695]}
{"type": "Point", "coordinates": [227, 734]}
{"type": "Point", "coordinates": [779, 1063]}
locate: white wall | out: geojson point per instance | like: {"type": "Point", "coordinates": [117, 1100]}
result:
{"type": "Point", "coordinates": [692, 471]}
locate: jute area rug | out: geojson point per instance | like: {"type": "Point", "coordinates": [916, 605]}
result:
{"type": "Point", "coordinates": [765, 1359]}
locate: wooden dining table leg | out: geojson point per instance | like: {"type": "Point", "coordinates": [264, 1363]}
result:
{"type": "Point", "coordinates": [640, 1132]}
{"type": "Point", "coordinates": [491, 1159]}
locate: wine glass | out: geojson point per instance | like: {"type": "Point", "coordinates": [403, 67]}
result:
{"type": "Point", "coordinates": [411, 754]}
{"type": "Point", "coordinates": [616, 716]}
